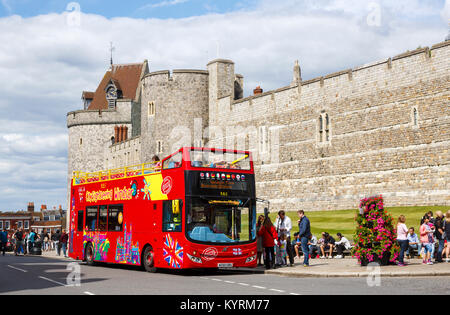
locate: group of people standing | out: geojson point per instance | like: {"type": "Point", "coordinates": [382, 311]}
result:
{"type": "Point", "coordinates": [275, 239]}
{"type": "Point", "coordinates": [433, 231]}
{"type": "Point", "coordinates": [24, 242]}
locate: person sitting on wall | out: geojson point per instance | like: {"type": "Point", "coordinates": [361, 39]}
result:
{"type": "Point", "coordinates": [327, 247]}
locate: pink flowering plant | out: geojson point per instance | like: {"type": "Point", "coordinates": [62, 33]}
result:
{"type": "Point", "coordinates": [375, 236]}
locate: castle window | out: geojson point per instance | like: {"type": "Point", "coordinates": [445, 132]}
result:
{"type": "Point", "coordinates": [263, 140]}
{"type": "Point", "coordinates": [159, 147]}
{"type": "Point", "coordinates": [415, 117]}
{"type": "Point", "coordinates": [81, 141]}
{"type": "Point", "coordinates": [198, 143]}
{"type": "Point", "coordinates": [151, 109]}
{"type": "Point", "coordinates": [324, 128]}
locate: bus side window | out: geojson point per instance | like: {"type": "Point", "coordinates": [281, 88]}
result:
{"type": "Point", "coordinates": [103, 219]}
{"type": "Point", "coordinates": [115, 218]}
{"type": "Point", "coordinates": [172, 215]}
{"type": "Point", "coordinates": [91, 218]}
{"type": "Point", "coordinates": [80, 221]}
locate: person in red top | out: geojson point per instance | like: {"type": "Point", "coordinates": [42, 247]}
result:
{"type": "Point", "coordinates": [269, 237]}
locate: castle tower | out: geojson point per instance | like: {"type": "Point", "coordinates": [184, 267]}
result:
{"type": "Point", "coordinates": [174, 111]}
{"type": "Point", "coordinates": [221, 85]}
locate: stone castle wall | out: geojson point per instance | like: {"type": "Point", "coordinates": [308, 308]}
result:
{"type": "Point", "coordinates": [375, 146]}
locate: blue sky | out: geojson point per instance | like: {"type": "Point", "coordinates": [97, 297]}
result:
{"type": "Point", "coordinates": [136, 9]}
{"type": "Point", "coordinates": [49, 60]}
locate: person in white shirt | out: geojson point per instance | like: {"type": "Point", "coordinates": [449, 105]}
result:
{"type": "Point", "coordinates": [342, 245]}
{"type": "Point", "coordinates": [283, 225]}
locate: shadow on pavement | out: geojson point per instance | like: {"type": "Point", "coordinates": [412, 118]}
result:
{"type": "Point", "coordinates": [15, 281]}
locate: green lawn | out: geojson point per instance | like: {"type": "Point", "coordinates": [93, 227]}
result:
{"type": "Point", "coordinates": [343, 220]}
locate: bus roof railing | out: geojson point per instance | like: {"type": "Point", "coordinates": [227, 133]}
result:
{"type": "Point", "coordinates": [80, 178]}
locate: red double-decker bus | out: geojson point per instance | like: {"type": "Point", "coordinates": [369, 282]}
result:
{"type": "Point", "coordinates": [194, 209]}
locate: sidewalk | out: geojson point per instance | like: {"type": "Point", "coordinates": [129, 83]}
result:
{"type": "Point", "coordinates": [349, 267]}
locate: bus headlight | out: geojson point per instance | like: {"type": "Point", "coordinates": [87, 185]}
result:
{"type": "Point", "coordinates": [250, 259]}
{"type": "Point", "coordinates": [194, 259]}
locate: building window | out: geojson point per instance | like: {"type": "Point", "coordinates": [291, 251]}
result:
{"type": "Point", "coordinates": [81, 141]}
{"type": "Point", "coordinates": [19, 224]}
{"type": "Point", "coordinates": [263, 140]}
{"type": "Point", "coordinates": [7, 226]}
{"type": "Point", "coordinates": [415, 117]}
{"type": "Point", "coordinates": [159, 147]}
{"type": "Point", "coordinates": [198, 143]}
{"type": "Point", "coordinates": [26, 225]}
{"type": "Point", "coordinates": [1, 225]}
{"type": "Point", "coordinates": [151, 109]}
{"type": "Point", "coordinates": [324, 128]}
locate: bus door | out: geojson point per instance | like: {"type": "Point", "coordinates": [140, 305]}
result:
{"type": "Point", "coordinates": [172, 227]}
{"type": "Point", "coordinates": [77, 243]}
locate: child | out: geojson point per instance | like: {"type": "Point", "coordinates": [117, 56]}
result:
{"type": "Point", "coordinates": [281, 250]}
{"type": "Point", "coordinates": [427, 240]}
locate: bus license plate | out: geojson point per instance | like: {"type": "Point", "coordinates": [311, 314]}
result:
{"type": "Point", "coordinates": [225, 265]}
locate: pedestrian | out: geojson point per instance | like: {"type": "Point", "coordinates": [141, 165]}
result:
{"type": "Point", "coordinates": [439, 234]}
{"type": "Point", "coordinates": [19, 237]}
{"type": "Point", "coordinates": [447, 235]}
{"type": "Point", "coordinates": [55, 238]}
{"type": "Point", "coordinates": [44, 239]}
{"type": "Point", "coordinates": [31, 239]}
{"type": "Point", "coordinates": [283, 225]}
{"type": "Point", "coordinates": [327, 247]}
{"type": "Point", "coordinates": [312, 246]}
{"type": "Point", "coordinates": [341, 245]}
{"type": "Point", "coordinates": [269, 235]}
{"type": "Point", "coordinates": [427, 240]}
{"type": "Point", "coordinates": [63, 240]}
{"type": "Point", "coordinates": [413, 243]}
{"type": "Point", "coordinates": [304, 227]}
{"type": "Point", "coordinates": [281, 252]}
{"type": "Point", "coordinates": [3, 241]}
{"type": "Point", "coordinates": [296, 244]}
{"type": "Point", "coordinates": [402, 239]}
{"type": "Point", "coordinates": [259, 244]}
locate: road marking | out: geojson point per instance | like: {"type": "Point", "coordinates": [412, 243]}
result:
{"type": "Point", "coordinates": [294, 294]}
{"type": "Point", "coordinates": [216, 280]}
{"type": "Point", "coordinates": [50, 280]}
{"type": "Point", "coordinates": [17, 268]}
{"type": "Point", "coordinates": [258, 287]}
{"type": "Point", "coordinates": [244, 284]}
{"type": "Point", "coordinates": [276, 290]}
{"type": "Point", "coordinates": [88, 293]}
{"type": "Point", "coordinates": [229, 281]}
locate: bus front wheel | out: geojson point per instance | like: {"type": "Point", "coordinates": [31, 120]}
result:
{"type": "Point", "coordinates": [148, 260]}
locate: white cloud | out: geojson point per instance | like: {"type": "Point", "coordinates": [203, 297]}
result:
{"type": "Point", "coordinates": [46, 64]}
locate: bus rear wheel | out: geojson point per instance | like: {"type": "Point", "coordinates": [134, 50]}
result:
{"type": "Point", "coordinates": [90, 255]}
{"type": "Point", "coordinates": [148, 260]}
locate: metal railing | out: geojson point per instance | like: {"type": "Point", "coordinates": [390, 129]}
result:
{"type": "Point", "coordinates": [80, 178]}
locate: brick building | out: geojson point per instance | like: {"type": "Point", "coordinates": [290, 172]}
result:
{"type": "Point", "coordinates": [324, 143]}
{"type": "Point", "coordinates": [51, 220]}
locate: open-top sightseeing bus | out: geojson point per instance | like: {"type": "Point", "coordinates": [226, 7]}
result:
{"type": "Point", "coordinates": [194, 209]}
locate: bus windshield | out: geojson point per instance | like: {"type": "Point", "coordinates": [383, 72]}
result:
{"type": "Point", "coordinates": [220, 159]}
{"type": "Point", "coordinates": [220, 221]}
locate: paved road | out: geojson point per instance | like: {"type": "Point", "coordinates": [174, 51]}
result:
{"type": "Point", "coordinates": [40, 275]}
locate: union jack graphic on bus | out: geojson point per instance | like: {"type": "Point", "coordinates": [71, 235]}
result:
{"type": "Point", "coordinates": [172, 252]}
